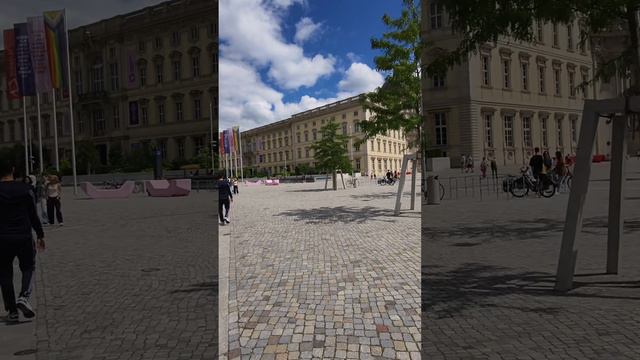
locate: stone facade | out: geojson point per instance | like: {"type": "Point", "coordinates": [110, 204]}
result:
{"type": "Point", "coordinates": [286, 144]}
{"type": "Point", "coordinates": [509, 97]}
{"type": "Point", "coordinates": [174, 51]}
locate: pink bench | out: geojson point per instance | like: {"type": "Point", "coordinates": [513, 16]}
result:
{"type": "Point", "coordinates": [272, 182]}
{"type": "Point", "coordinates": [122, 192]}
{"type": "Point", "coordinates": [168, 188]}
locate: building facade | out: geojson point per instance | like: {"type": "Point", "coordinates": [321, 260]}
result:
{"type": "Point", "coordinates": [509, 97]}
{"type": "Point", "coordinates": [286, 145]}
{"type": "Point", "coordinates": [144, 78]}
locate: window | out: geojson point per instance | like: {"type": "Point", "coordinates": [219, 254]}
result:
{"type": "Point", "coordinates": [441, 128]}
{"type": "Point", "coordinates": [176, 70]}
{"type": "Point", "coordinates": [540, 32]}
{"type": "Point", "coordinates": [175, 38]}
{"type": "Point", "coordinates": [384, 146]}
{"type": "Point", "coordinates": [113, 71]}
{"type": "Point", "coordinates": [298, 137]}
{"type": "Point", "coordinates": [115, 110]}
{"type": "Point", "coordinates": [144, 112]}
{"type": "Point", "coordinates": [556, 80]}
{"type": "Point", "coordinates": [435, 14]}
{"type": "Point", "coordinates": [570, 37]}
{"type": "Point", "coordinates": [161, 118]}
{"type": "Point", "coordinates": [98, 119]}
{"type": "Point", "coordinates": [506, 69]}
{"type": "Point", "coordinates": [526, 131]}
{"type": "Point", "coordinates": [306, 136]}
{"type": "Point", "coordinates": [195, 33]}
{"type": "Point", "coordinates": [555, 35]}
{"type": "Point", "coordinates": [545, 132]}
{"type": "Point", "coordinates": [141, 46]}
{"type": "Point", "coordinates": [199, 144]}
{"type": "Point", "coordinates": [508, 130]}
{"type": "Point", "coordinates": [158, 43]}
{"type": "Point", "coordinates": [378, 145]}
{"type": "Point", "coordinates": [162, 145]}
{"type": "Point", "coordinates": [197, 114]}
{"type": "Point", "coordinates": [306, 152]}
{"type": "Point", "coordinates": [12, 131]}
{"type": "Point", "coordinates": [525, 76]}
{"type": "Point", "coordinates": [179, 111]}
{"type": "Point", "coordinates": [356, 147]}
{"type": "Point", "coordinates": [345, 129]}
{"type": "Point", "coordinates": [195, 64]}
{"type": "Point", "coordinates": [541, 79]}
{"type": "Point", "coordinates": [486, 73]}
{"type": "Point", "coordinates": [159, 72]}
{"type": "Point", "coordinates": [559, 123]}
{"type": "Point", "coordinates": [355, 113]}
{"type": "Point", "coordinates": [133, 114]}
{"type": "Point", "coordinates": [356, 126]}
{"type": "Point", "coordinates": [358, 164]}
{"type": "Point", "coordinates": [574, 131]}
{"type": "Point", "coordinates": [78, 77]}
{"type": "Point", "coordinates": [97, 77]}
{"type": "Point", "coordinates": [488, 130]}
{"type": "Point", "coordinates": [180, 143]}
{"type": "Point", "coordinates": [143, 75]}
{"type": "Point", "coordinates": [299, 153]}
{"type": "Point", "coordinates": [572, 83]}
{"type": "Point", "coordinates": [438, 81]}
{"type": "Point", "coordinates": [379, 164]}
{"type": "Point", "coordinates": [112, 52]}
{"type": "Point", "coordinates": [314, 134]}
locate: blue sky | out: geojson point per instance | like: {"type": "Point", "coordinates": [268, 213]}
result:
{"type": "Point", "coordinates": [280, 57]}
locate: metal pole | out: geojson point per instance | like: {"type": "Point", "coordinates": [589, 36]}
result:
{"type": "Point", "coordinates": [73, 141]}
{"type": "Point", "coordinates": [241, 166]}
{"type": "Point", "coordinates": [39, 134]}
{"type": "Point", "coordinates": [211, 129]}
{"type": "Point", "coordinates": [26, 137]}
{"type": "Point", "coordinates": [55, 132]}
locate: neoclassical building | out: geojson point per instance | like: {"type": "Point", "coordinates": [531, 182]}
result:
{"type": "Point", "coordinates": [146, 77]}
{"type": "Point", "coordinates": [286, 144]}
{"type": "Point", "coordinates": [509, 97]}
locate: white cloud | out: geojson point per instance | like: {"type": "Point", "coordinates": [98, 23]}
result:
{"type": "Point", "coordinates": [251, 31]}
{"type": "Point", "coordinates": [359, 78]}
{"type": "Point", "coordinates": [353, 57]}
{"type": "Point", "coordinates": [306, 29]}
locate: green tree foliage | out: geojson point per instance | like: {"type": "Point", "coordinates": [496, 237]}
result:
{"type": "Point", "coordinates": [485, 21]}
{"type": "Point", "coordinates": [87, 156]}
{"type": "Point", "coordinates": [397, 104]}
{"type": "Point", "coordinates": [330, 152]}
{"type": "Point", "coordinates": [15, 156]}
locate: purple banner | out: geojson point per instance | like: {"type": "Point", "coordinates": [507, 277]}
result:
{"type": "Point", "coordinates": [131, 70]}
{"type": "Point", "coordinates": [24, 69]}
{"type": "Point", "coordinates": [133, 114]}
{"type": "Point", "coordinates": [39, 56]}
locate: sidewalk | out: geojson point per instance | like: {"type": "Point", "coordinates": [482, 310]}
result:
{"type": "Point", "coordinates": [19, 338]}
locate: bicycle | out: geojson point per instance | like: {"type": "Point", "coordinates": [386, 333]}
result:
{"type": "Point", "coordinates": [560, 180]}
{"type": "Point", "coordinates": [386, 181]}
{"type": "Point", "coordinates": [352, 182]}
{"type": "Point", "coordinates": [521, 186]}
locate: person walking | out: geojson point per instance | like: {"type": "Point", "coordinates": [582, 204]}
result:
{"type": "Point", "coordinates": [41, 199]}
{"type": "Point", "coordinates": [483, 167]}
{"type": "Point", "coordinates": [18, 216]}
{"type": "Point", "coordinates": [54, 206]}
{"type": "Point", "coordinates": [235, 186]}
{"type": "Point", "coordinates": [225, 198]}
{"type": "Point", "coordinates": [463, 163]}
{"type": "Point", "coordinates": [560, 170]}
{"type": "Point", "coordinates": [536, 163]}
{"type": "Point", "coordinates": [470, 163]}
{"type": "Point", "coordinates": [494, 168]}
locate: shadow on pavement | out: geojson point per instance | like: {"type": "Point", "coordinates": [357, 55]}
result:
{"type": "Point", "coordinates": [340, 214]}
{"type": "Point", "coordinates": [369, 197]}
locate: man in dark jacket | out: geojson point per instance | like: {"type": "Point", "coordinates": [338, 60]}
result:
{"type": "Point", "coordinates": [225, 198]}
{"type": "Point", "coordinates": [18, 216]}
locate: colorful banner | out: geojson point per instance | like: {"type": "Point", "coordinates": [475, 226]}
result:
{"type": "Point", "coordinates": [24, 69]}
{"type": "Point", "coordinates": [56, 39]}
{"type": "Point", "coordinates": [13, 89]}
{"type": "Point", "coordinates": [236, 139]}
{"type": "Point", "coordinates": [221, 144]}
{"type": "Point", "coordinates": [131, 70]}
{"type": "Point", "coordinates": [227, 149]}
{"type": "Point", "coordinates": [39, 55]}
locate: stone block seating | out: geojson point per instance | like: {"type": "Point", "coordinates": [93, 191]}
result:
{"type": "Point", "coordinates": [122, 192]}
{"type": "Point", "coordinates": [254, 183]}
{"type": "Point", "coordinates": [168, 188]}
{"type": "Point", "coordinates": [272, 182]}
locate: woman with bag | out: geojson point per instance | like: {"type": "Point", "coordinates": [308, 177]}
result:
{"type": "Point", "coordinates": [54, 193]}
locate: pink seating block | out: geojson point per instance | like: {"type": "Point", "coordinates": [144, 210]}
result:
{"type": "Point", "coordinates": [121, 193]}
{"type": "Point", "coordinates": [168, 188]}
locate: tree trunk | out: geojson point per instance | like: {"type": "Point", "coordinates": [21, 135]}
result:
{"type": "Point", "coordinates": [335, 180]}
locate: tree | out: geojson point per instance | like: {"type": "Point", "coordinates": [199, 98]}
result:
{"type": "Point", "coordinates": [14, 155]}
{"type": "Point", "coordinates": [483, 21]}
{"type": "Point", "coordinates": [397, 104]}
{"type": "Point", "coordinates": [87, 155]}
{"type": "Point", "coordinates": [330, 152]}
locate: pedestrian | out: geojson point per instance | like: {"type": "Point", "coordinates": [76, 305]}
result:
{"type": "Point", "coordinates": [225, 198]}
{"type": "Point", "coordinates": [537, 164]}
{"type": "Point", "coordinates": [560, 170]}
{"type": "Point", "coordinates": [18, 216]}
{"type": "Point", "coordinates": [494, 168]}
{"type": "Point", "coordinates": [235, 186]}
{"type": "Point", "coordinates": [41, 199]}
{"type": "Point", "coordinates": [463, 163]}
{"type": "Point", "coordinates": [54, 195]}
{"type": "Point", "coordinates": [483, 167]}
{"type": "Point", "coordinates": [470, 163]}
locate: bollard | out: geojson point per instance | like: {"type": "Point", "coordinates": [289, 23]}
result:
{"type": "Point", "coordinates": [433, 195]}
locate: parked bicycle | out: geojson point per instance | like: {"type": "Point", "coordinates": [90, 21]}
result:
{"type": "Point", "coordinates": [386, 181]}
{"type": "Point", "coordinates": [559, 180]}
{"type": "Point", "coordinates": [521, 186]}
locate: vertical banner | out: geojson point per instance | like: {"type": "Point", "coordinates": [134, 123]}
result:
{"type": "Point", "coordinates": [24, 69]}
{"type": "Point", "coordinates": [227, 150]}
{"type": "Point", "coordinates": [236, 139]}
{"type": "Point", "coordinates": [133, 113]}
{"type": "Point", "coordinates": [13, 89]}
{"type": "Point", "coordinates": [221, 145]}
{"type": "Point", "coordinates": [38, 52]}
{"type": "Point", "coordinates": [131, 70]}
{"type": "Point", "coordinates": [55, 38]}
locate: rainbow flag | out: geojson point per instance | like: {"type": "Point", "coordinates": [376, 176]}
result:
{"type": "Point", "coordinates": [56, 40]}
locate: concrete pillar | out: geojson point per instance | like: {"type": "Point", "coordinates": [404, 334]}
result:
{"type": "Point", "coordinates": [616, 193]}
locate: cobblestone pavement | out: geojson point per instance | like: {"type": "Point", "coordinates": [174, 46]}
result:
{"type": "Point", "coordinates": [129, 279]}
{"type": "Point", "coordinates": [323, 274]}
{"type": "Point", "coordinates": [490, 270]}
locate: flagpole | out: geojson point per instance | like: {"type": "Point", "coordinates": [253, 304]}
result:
{"type": "Point", "coordinates": [211, 143]}
{"type": "Point", "coordinates": [73, 143]}
{"type": "Point", "coordinates": [39, 134]}
{"type": "Point", "coordinates": [26, 137]}
{"type": "Point", "coordinates": [55, 131]}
